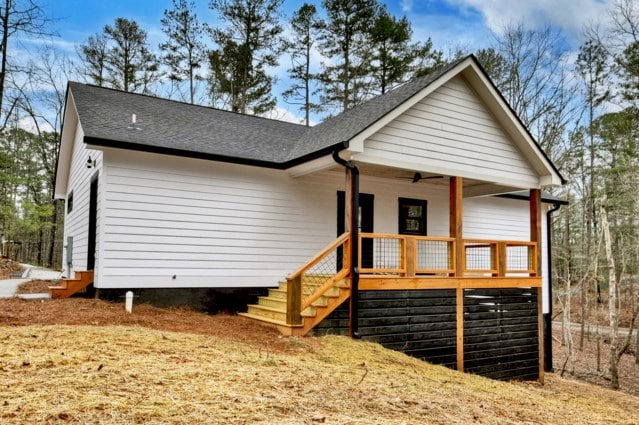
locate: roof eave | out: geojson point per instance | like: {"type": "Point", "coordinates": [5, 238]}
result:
{"type": "Point", "coordinates": [63, 160]}
{"type": "Point", "coordinates": [98, 142]}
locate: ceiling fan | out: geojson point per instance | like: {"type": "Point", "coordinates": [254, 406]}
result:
{"type": "Point", "coordinates": [418, 176]}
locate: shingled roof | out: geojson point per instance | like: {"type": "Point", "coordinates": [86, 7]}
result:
{"type": "Point", "coordinates": [182, 129]}
{"type": "Point", "coordinates": [350, 123]}
{"type": "Point", "coordinates": [179, 128]}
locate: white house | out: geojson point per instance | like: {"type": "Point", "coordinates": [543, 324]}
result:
{"type": "Point", "coordinates": [163, 194]}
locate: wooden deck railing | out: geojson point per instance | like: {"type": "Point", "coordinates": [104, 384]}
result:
{"type": "Point", "coordinates": [318, 275]}
{"type": "Point", "coordinates": [404, 256]}
{"type": "Point", "coordinates": [410, 256]}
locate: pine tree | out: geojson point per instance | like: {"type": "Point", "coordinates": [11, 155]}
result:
{"type": "Point", "coordinates": [130, 65]}
{"type": "Point", "coordinates": [344, 41]}
{"type": "Point", "coordinates": [94, 55]}
{"type": "Point", "coordinates": [184, 51]}
{"type": "Point", "coordinates": [251, 39]}
{"type": "Point", "coordinates": [300, 47]}
{"type": "Point", "coordinates": [392, 52]}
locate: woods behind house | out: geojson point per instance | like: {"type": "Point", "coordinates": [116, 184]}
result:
{"type": "Point", "coordinates": [582, 108]}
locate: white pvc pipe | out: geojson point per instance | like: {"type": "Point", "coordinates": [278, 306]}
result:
{"type": "Point", "coordinates": [128, 305]}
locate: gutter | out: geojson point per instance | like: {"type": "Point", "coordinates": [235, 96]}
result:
{"type": "Point", "coordinates": [354, 228]}
{"type": "Point", "coordinates": [547, 317]}
{"type": "Point", "coordinates": [97, 142]}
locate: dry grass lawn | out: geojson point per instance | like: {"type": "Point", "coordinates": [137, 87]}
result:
{"type": "Point", "coordinates": [135, 370]}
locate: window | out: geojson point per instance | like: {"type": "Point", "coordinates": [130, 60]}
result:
{"type": "Point", "coordinates": [412, 216]}
{"type": "Point", "coordinates": [70, 202]}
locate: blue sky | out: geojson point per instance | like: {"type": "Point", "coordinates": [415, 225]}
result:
{"type": "Point", "coordinates": [452, 24]}
{"type": "Point", "coordinates": [446, 21]}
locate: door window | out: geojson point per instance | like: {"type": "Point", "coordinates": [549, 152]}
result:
{"type": "Point", "coordinates": [412, 216]}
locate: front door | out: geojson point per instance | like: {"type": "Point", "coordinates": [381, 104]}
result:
{"type": "Point", "coordinates": [366, 214]}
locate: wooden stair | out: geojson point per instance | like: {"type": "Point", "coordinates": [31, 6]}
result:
{"type": "Point", "coordinates": [271, 309]}
{"type": "Point", "coordinates": [68, 287]}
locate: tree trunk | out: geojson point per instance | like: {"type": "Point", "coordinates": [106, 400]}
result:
{"type": "Point", "coordinates": [567, 331]}
{"type": "Point", "coordinates": [612, 299]}
{"type": "Point", "coordinates": [637, 342]}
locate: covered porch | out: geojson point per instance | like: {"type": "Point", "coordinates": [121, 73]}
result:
{"type": "Point", "coordinates": [359, 262]}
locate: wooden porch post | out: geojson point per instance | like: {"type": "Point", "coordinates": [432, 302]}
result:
{"type": "Point", "coordinates": [348, 205]}
{"type": "Point", "coordinates": [535, 236]}
{"type": "Point", "coordinates": [455, 222]}
{"type": "Point", "coordinates": [456, 231]}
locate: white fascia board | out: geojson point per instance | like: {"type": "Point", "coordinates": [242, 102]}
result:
{"type": "Point", "coordinates": [552, 180]}
{"type": "Point", "coordinates": [67, 140]}
{"type": "Point", "coordinates": [322, 163]}
{"type": "Point", "coordinates": [318, 164]}
{"type": "Point", "coordinates": [513, 126]}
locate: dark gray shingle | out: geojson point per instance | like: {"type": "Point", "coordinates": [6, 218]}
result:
{"type": "Point", "coordinates": [183, 129]}
{"type": "Point", "coordinates": [105, 114]}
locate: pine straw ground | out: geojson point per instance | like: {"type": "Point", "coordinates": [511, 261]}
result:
{"type": "Point", "coordinates": [86, 361]}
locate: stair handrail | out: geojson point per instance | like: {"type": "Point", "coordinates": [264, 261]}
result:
{"type": "Point", "coordinates": [325, 287]}
{"type": "Point", "coordinates": [294, 280]}
{"type": "Point", "coordinates": [320, 255]}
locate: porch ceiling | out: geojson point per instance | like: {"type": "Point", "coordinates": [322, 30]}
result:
{"type": "Point", "coordinates": [471, 187]}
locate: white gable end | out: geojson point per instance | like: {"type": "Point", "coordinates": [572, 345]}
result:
{"type": "Point", "coordinates": [451, 132]}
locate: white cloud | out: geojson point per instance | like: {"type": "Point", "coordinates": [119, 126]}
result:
{"type": "Point", "coordinates": [407, 6]}
{"type": "Point", "coordinates": [449, 32]}
{"type": "Point", "coordinates": [569, 15]}
{"type": "Point", "coordinates": [283, 114]}
{"type": "Point", "coordinates": [27, 124]}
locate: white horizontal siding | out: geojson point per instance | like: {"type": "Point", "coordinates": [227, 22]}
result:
{"type": "Point", "coordinates": [76, 223]}
{"type": "Point", "coordinates": [177, 222]}
{"type": "Point", "coordinates": [496, 218]}
{"type": "Point", "coordinates": [210, 224]}
{"type": "Point", "coordinates": [386, 207]}
{"type": "Point", "coordinates": [451, 130]}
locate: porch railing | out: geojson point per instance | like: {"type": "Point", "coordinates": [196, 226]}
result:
{"type": "Point", "coordinates": [406, 255]}
{"type": "Point", "coordinates": [410, 256]}
{"type": "Point", "coordinates": [318, 275]}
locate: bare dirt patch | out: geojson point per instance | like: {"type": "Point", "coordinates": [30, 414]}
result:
{"type": "Point", "coordinates": [7, 267]}
{"type": "Point", "coordinates": [36, 287]}
{"type": "Point", "coordinates": [80, 311]}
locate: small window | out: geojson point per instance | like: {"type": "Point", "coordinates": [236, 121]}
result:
{"type": "Point", "coordinates": [412, 216]}
{"type": "Point", "coordinates": [70, 202]}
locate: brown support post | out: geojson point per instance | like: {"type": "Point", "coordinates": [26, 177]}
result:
{"type": "Point", "coordinates": [535, 236]}
{"type": "Point", "coordinates": [348, 189]}
{"type": "Point", "coordinates": [294, 301]}
{"type": "Point", "coordinates": [501, 259]}
{"type": "Point", "coordinates": [460, 328]}
{"type": "Point", "coordinates": [455, 209]}
{"type": "Point", "coordinates": [409, 252]}
{"type": "Point", "coordinates": [535, 224]}
{"type": "Point", "coordinates": [456, 231]}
